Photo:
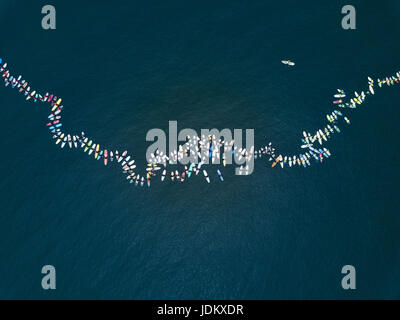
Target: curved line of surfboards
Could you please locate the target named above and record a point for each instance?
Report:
(128, 164)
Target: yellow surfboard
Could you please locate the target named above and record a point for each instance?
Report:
(56, 105)
(59, 140)
(97, 151)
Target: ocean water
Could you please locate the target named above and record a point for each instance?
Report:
(125, 67)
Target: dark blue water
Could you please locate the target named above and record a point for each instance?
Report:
(125, 67)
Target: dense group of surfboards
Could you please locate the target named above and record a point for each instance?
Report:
(332, 127)
(207, 148)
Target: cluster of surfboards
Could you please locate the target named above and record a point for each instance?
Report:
(55, 126)
(212, 145)
(208, 151)
(390, 81)
(322, 135)
(194, 169)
